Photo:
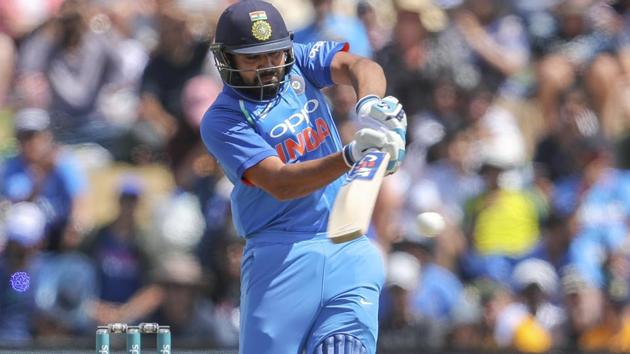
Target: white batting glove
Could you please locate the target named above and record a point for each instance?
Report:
(387, 112)
(395, 147)
(367, 139)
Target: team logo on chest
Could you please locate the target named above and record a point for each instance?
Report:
(297, 84)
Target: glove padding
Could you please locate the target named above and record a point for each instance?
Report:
(387, 112)
(386, 115)
(368, 139)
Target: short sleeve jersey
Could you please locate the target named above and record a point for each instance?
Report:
(295, 126)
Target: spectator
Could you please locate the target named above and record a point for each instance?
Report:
(24, 226)
(557, 233)
(445, 108)
(444, 184)
(485, 45)
(66, 286)
(190, 316)
(18, 19)
(212, 189)
(404, 328)
(536, 284)
(582, 303)
(44, 174)
(377, 34)
(440, 288)
(178, 58)
(501, 225)
(114, 247)
(612, 333)
(7, 62)
(506, 325)
(599, 195)
(70, 64)
(408, 59)
(575, 52)
(121, 262)
(466, 330)
(226, 290)
(556, 154)
(329, 26)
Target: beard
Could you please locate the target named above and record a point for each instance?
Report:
(264, 86)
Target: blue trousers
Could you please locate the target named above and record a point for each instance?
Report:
(296, 294)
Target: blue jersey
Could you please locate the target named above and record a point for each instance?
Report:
(296, 126)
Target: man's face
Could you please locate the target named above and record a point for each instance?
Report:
(248, 64)
(35, 146)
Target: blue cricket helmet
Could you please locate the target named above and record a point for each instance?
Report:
(251, 27)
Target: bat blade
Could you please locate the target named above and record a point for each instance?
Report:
(352, 211)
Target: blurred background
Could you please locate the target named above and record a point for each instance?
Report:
(519, 117)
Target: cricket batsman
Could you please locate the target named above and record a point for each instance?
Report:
(272, 132)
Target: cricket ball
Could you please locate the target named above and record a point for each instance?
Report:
(430, 223)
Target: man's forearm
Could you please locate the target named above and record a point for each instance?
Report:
(301, 179)
(367, 78)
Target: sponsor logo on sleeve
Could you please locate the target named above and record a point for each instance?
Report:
(316, 47)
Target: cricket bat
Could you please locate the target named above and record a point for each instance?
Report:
(352, 211)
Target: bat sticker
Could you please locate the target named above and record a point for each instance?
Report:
(366, 168)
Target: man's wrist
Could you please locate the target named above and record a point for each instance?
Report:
(364, 100)
(346, 153)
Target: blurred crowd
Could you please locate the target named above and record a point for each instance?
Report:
(519, 117)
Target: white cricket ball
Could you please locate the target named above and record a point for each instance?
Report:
(430, 223)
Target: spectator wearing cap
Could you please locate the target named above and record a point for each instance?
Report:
(466, 330)
(191, 316)
(439, 289)
(122, 263)
(44, 174)
(24, 228)
(505, 323)
(404, 328)
(535, 284)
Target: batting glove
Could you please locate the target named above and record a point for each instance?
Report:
(368, 139)
(387, 112)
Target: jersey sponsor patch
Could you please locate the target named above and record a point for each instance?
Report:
(315, 48)
(366, 168)
(308, 139)
(301, 132)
